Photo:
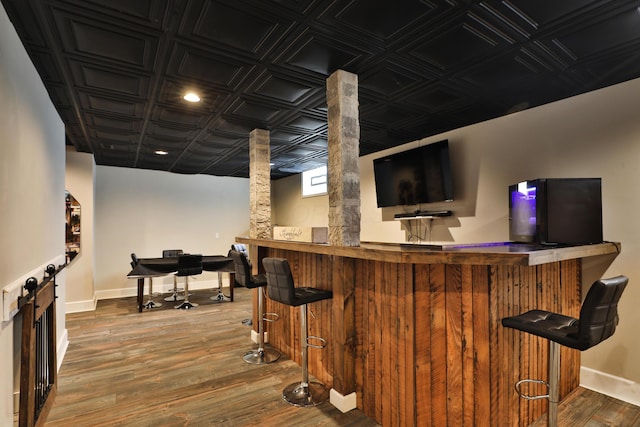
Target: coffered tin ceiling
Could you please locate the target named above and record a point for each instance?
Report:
(116, 70)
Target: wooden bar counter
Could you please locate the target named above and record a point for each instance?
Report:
(415, 332)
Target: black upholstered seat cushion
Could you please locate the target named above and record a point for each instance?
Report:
(189, 265)
(597, 322)
(243, 271)
(555, 327)
(280, 286)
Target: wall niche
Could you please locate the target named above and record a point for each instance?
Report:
(72, 232)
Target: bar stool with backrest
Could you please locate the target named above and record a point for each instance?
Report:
(188, 265)
(242, 248)
(261, 355)
(219, 296)
(175, 296)
(280, 287)
(597, 322)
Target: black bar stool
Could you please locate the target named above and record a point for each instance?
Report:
(188, 265)
(597, 322)
(175, 296)
(280, 287)
(261, 355)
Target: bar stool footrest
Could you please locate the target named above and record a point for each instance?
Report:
(270, 317)
(174, 298)
(313, 337)
(530, 381)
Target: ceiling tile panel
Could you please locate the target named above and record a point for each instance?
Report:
(307, 123)
(149, 11)
(604, 36)
(378, 20)
(113, 136)
(434, 98)
(284, 136)
(388, 79)
(205, 68)
(282, 89)
(226, 24)
(189, 118)
(108, 80)
(219, 141)
(463, 41)
(322, 56)
(251, 111)
(317, 144)
(545, 12)
(173, 132)
(116, 70)
(112, 123)
(202, 150)
(103, 42)
(97, 103)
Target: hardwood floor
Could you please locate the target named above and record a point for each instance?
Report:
(586, 408)
(167, 367)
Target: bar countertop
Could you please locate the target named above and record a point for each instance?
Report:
(505, 253)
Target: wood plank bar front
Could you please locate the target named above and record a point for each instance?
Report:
(416, 333)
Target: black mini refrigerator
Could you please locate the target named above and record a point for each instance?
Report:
(553, 211)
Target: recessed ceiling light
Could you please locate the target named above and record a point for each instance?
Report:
(191, 97)
(161, 152)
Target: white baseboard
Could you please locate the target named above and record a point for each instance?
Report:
(63, 344)
(343, 403)
(16, 402)
(255, 336)
(616, 387)
(80, 306)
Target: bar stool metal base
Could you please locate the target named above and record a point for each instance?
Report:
(175, 296)
(220, 297)
(261, 356)
(310, 394)
(152, 304)
(186, 305)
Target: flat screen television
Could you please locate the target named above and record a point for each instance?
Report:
(420, 175)
(556, 211)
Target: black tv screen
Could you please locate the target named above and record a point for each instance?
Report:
(413, 177)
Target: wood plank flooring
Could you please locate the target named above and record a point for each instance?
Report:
(587, 408)
(166, 367)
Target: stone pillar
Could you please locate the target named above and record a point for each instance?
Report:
(344, 165)
(259, 184)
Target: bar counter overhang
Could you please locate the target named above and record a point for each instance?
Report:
(415, 332)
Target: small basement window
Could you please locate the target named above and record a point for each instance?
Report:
(314, 182)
